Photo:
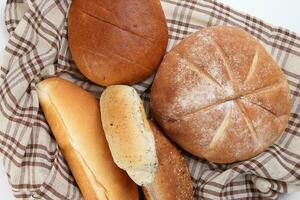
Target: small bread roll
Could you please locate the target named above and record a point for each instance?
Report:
(139, 147)
(128, 133)
(73, 116)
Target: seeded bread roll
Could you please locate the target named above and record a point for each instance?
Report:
(117, 42)
(74, 117)
(140, 148)
(128, 133)
(221, 96)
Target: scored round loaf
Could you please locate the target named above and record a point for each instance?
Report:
(221, 96)
(117, 42)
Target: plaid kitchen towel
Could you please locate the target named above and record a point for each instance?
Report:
(38, 49)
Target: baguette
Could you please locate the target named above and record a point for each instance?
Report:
(73, 116)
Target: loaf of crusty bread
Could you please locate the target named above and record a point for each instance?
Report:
(117, 42)
(221, 96)
(74, 117)
(139, 147)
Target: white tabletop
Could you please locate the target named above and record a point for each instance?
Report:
(276, 12)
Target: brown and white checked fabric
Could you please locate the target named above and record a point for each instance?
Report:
(38, 49)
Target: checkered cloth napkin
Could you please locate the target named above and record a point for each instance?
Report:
(38, 49)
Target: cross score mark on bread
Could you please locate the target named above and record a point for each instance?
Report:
(220, 95)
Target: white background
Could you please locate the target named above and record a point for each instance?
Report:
(277, 12)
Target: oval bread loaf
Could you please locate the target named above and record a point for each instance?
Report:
(74, 117)
(117, 42)
(221, 96)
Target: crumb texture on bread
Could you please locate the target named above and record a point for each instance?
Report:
(220, 95)
(128, 133)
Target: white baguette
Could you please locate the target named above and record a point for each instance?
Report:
(74, 117)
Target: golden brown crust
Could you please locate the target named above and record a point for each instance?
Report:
(212, 89)
(172, 180)
(117, 42)
(74, 118)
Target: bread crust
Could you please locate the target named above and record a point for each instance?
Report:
(172, 180)
(117, 42)
(73, 116)
(221, 96)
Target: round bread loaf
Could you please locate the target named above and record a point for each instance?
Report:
(221, 96)
(117, 42)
